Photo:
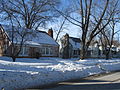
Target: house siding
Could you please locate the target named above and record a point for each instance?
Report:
(34, 52)
(48, 50)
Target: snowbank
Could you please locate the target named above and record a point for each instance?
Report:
(26, 73)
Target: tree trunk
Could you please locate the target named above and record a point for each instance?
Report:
(82, 55)
(83, 52)
(14, 59)
(108, 54)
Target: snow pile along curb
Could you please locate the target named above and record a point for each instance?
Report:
(33, 72)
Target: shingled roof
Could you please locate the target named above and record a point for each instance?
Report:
(40, 37)
(75, 39)
(75, 42)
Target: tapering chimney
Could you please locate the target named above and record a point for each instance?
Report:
(50, 32)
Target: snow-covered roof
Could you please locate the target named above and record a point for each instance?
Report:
(75, 42)
(43, 38)
(35, 37)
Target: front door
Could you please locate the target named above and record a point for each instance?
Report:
(32, 51)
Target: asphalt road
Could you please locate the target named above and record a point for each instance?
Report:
(102, 82)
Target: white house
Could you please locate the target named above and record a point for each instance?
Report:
(72, 47)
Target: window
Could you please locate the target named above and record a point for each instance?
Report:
(25, 50)
(47, 51)
(21, 51)
(75, 52)
(42, 50)
(78, 52)
(51, 51)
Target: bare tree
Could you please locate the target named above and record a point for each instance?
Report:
(30, 13)
(89, 16)
(17, 36)
(60, 29)
(109, 32)
(108, 35)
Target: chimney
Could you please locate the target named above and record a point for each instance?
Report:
(50, 32)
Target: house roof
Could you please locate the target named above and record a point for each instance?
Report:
(43, 38)
(75, 42)
(34, 38)
(75, 39)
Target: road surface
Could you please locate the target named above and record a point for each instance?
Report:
(103, 82)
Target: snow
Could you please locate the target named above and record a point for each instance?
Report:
(32, 43)
(36, 38)
(26, 72)
(43, 38)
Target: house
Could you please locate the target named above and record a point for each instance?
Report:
(70, 47)
(99, 51)
(37, 42)
(75, 46)
(96, 50)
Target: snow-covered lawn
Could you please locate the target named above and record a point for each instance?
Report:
(26, 72)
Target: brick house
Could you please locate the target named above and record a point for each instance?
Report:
(40, 42)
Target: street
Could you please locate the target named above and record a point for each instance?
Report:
(109, 81)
